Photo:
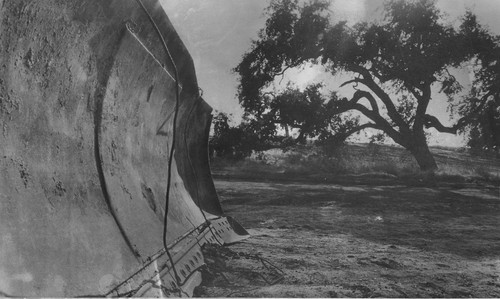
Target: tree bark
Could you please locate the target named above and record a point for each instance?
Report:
(301, 139)
(423, 156)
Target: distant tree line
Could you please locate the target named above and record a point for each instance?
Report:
(236, 141)
(240, 140)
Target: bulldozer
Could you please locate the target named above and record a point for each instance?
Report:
(105, 185)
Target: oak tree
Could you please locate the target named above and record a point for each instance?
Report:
(394, 64)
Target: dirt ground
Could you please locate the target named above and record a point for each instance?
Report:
(383, 239)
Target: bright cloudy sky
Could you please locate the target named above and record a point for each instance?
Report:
(218, 32)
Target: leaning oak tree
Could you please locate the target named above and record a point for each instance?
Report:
(394, 64)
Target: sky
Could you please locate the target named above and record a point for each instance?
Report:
(218, 32)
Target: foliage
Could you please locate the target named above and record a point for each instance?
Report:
(307, 111)
(226, 140)
(393, 64)
(236, 142)
(481, 107)
(484, 129)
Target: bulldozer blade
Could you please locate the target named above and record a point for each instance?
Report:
(89, 92)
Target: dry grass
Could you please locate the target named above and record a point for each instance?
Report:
(359, 159)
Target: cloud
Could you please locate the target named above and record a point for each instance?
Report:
(353, 10)
(304, 76)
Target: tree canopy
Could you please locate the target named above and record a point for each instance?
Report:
(236, 142)
(394, 66)
(306, 110)
(481, 108)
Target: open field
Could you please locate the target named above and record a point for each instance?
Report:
(356, 235)
(354, 160)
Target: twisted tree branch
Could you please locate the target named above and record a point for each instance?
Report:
(382, 95)
(374, 115)
(432, 122)
(357, 80)
(344, 135)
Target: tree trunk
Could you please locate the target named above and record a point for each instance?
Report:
(302, 138)
(423, 155)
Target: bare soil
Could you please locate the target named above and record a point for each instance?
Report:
(382, 238)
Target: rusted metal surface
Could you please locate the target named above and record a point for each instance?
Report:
(87, 102)
(156, 278)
